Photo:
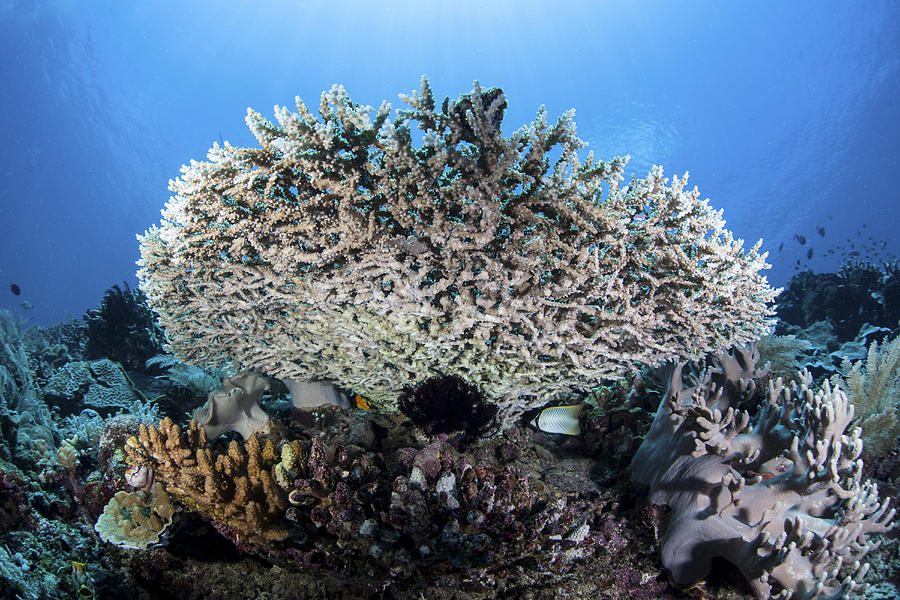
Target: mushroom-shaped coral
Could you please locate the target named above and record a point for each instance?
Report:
(236, 407)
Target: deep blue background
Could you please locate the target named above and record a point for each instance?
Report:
(782, 112)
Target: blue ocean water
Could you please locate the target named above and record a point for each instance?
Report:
(784, 113)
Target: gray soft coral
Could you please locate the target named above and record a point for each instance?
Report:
(781, 498)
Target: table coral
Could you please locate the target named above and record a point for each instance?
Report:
(343, 250)
(782, 499)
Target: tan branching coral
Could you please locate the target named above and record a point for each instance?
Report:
(235, 489)
(342, 250)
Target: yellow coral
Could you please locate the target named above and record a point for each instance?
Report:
(288, 466)
(67, 454)
(235, 488)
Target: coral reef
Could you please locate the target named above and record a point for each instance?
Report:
(783, 500)
(339, 250)
(873, 387)
(857, 294)
(441, 514)
(345, 509)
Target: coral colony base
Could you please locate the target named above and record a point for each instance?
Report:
(391, 319)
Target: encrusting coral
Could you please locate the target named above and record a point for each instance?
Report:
(136, 519)
(341, 250)
(345, 509)
(783, 499)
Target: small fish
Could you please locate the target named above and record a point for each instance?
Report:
(781, 246)
(821, 231)
(16, 290)
(800, 238)
(560, 419)
(84, 587)
(25, 304)
(361, 403)
(809, 254)
(639, 218)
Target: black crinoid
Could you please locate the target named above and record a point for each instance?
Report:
(123, 328)
(447, 404)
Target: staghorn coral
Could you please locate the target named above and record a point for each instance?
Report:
(340, 250)
(235, 489)
(873, 386)
(783, 499)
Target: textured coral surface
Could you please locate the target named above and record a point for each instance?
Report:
(375, 252)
